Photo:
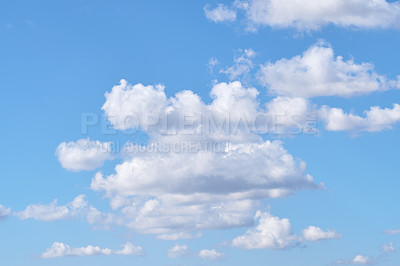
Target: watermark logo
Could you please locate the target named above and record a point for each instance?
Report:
(202, 124)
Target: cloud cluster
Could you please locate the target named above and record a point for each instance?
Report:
(53, 211)
(170, 192)
(312, 14)
(275, 233)
(369, 260)
(84, 154)
(59, 249)
(177, 236)
(234, 115)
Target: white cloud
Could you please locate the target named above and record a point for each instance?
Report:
(314, 14)
(220, 14)
(186, 187)
(53, 211)
(376, 119)
(388, 248)
(357, 260)
(212, 62)
(275, 233)
(290, 116)
(234, 170)
(170, 192)
(317, 72)
(392, 231)
(59, 249)
(100, 219)
(79, 207)
(130, 249)
(147, 108)
(178, 251)
(126, 102)
(233, 115)
(83, 154)
(9, 26)
(62, 250)
(4, 212)
(271, 233)
(211, 254)
(313, 233)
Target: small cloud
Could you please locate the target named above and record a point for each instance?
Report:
(178, 251)
(357, 260)
(388, 248)
(211, 254)
(9, 26)
(59, 249)
(392, 231)
(79, 207)
(220, 14)
(130, 249)
(313, 233)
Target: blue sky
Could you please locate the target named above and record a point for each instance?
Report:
(252, 203)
